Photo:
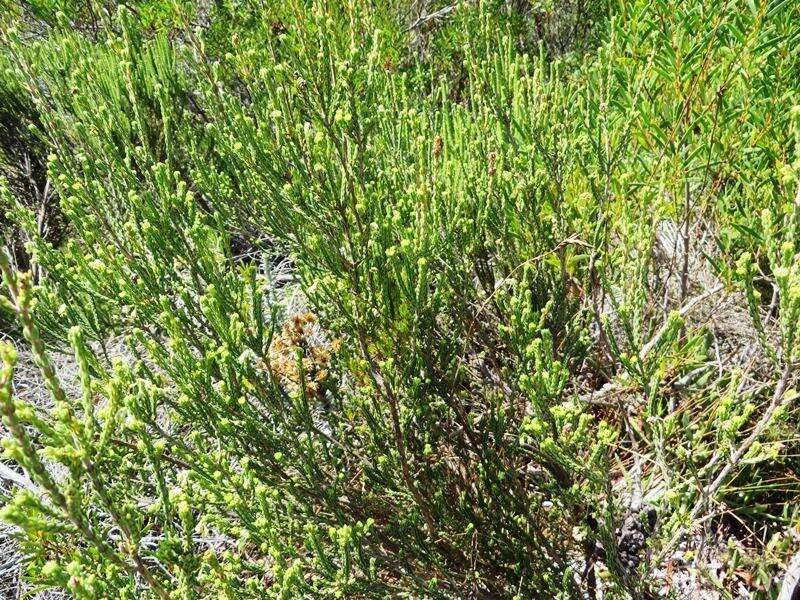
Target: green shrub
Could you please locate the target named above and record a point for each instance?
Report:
(403, 410)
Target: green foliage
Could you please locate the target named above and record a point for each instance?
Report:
(471, 229)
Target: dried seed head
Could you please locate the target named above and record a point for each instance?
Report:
(438, 144)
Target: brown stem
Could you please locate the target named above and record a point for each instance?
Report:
(397, 430)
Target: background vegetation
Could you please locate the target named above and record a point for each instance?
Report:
(400, 299)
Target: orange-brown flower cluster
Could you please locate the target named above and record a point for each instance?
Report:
(294, 346)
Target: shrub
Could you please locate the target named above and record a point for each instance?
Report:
(365, 304)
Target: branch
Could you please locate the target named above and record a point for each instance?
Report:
(685, 310)
(8, 474)
(438, 14)
(777, 401)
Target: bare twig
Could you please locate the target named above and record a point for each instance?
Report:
(687, 207)
(777, 401)
(602, 396)
(8, 474)
(435, 15)
(686, 309)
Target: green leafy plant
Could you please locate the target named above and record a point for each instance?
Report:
(387, 301)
